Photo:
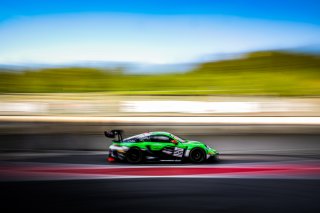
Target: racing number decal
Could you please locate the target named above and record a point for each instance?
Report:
(178, 152)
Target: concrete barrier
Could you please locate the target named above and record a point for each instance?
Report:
(229, 134)
(269, 144)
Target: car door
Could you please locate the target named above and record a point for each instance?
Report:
(162, 147)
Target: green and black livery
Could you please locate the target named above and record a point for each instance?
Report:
(158, 146)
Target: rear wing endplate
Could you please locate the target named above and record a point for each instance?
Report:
(114, 133)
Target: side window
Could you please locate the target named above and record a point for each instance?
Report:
(144, 139)
(137, 138)
(131, 140)
(160, 138)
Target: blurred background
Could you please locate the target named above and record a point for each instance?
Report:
(159, 59)
(242, 76)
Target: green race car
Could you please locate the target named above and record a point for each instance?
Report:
(158, 146)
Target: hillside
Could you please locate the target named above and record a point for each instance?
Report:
(265, 61)
(258, 73)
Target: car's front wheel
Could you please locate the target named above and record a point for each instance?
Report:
(134, 155)
(197, 155)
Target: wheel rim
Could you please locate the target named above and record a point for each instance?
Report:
(197, 155)
(134, 156)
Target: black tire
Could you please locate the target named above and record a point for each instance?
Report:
(197, 155)
(134, 155)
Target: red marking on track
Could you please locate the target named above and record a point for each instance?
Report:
(78, 171)
(153, 171)
(170, 171)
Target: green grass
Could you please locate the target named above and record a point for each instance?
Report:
(260, 73)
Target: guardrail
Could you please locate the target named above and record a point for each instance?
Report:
(170, 120)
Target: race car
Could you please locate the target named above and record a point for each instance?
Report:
(158, 146)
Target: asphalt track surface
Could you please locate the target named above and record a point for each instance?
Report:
(53, 181)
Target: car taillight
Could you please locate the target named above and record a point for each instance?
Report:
(110, 159)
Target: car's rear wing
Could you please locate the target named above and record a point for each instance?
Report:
(114, 133)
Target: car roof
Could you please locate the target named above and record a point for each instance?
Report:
(160, 133)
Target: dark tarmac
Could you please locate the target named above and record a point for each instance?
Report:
(170, 194)
(162, 195)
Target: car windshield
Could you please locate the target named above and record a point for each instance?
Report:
(179, 139)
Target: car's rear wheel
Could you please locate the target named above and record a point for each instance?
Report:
(197, 155)
(134, 155)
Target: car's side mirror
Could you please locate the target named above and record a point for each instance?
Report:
(174, 141)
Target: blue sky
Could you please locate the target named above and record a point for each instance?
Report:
(57, 31)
